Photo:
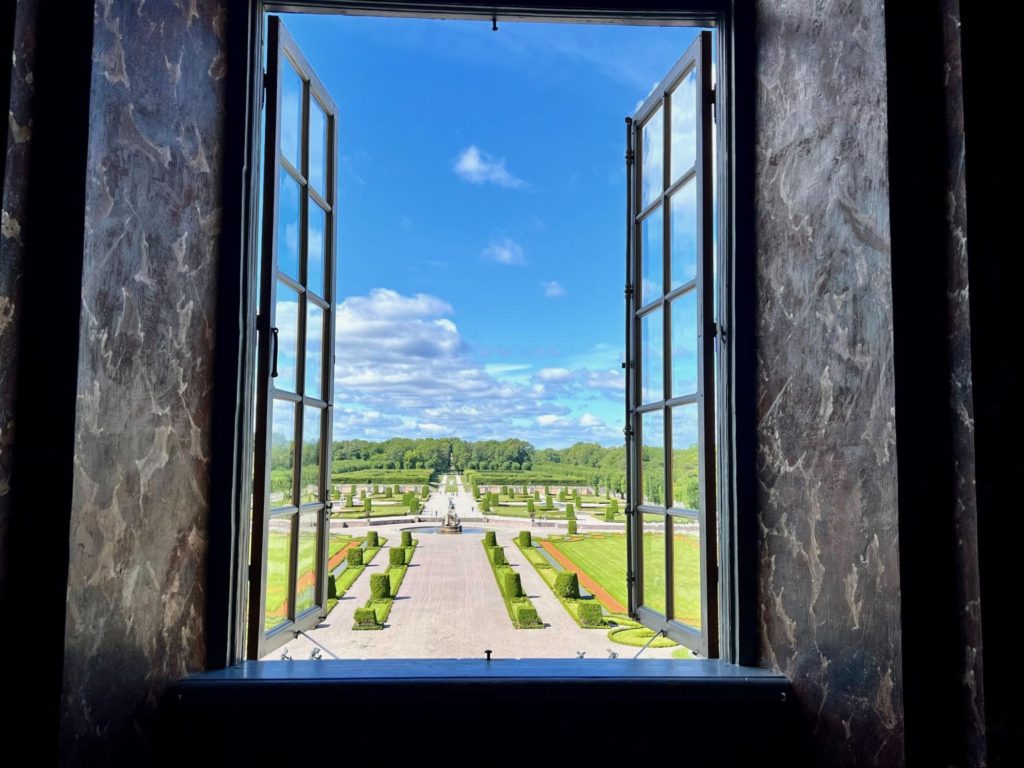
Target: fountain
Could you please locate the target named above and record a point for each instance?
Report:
(451, 522)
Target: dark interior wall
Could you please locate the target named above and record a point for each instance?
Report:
(829, 560)
(135, 598)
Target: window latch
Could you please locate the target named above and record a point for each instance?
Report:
(273, 367)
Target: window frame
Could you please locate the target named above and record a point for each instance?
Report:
(233, 406)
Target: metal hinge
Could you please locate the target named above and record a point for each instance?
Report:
(627, 431)
(629, 290)
(714, 105)
(629, 156)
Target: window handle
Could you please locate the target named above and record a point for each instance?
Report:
(273, 367)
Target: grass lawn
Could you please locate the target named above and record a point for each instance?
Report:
(355, 513)
(603, 558)
(520, 511)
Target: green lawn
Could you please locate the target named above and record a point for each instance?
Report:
(355, 513)
(603, 558)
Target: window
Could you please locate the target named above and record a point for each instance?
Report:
(672, 344)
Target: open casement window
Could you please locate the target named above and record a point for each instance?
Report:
(670, 396)
(295, 357)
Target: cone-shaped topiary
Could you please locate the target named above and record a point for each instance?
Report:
(570, 513)
(406, 538)
(530, 508)
(513, 585)
(572, 528)
(371, 539)
(490, 539)
(332, 587)
(498, 556)
(567, 584)
(525, 540)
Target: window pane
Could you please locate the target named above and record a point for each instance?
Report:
(652, 150)
(684, 125)
(683, 234)
(315, 249)
(305, 575)
(652, 357)
(310, 454)
(652, 257)
(654, 562)
(282, 454)
(317, 146)
(686, 571)
(286, 317)
(652, 458)
(288, 225)
(279, 560)
(291, 115)
(314, 350)
(685, 461)
(684, 345)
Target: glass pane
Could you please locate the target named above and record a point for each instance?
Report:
(686, 571)
(291, 115)
(279, 561)
(317, 147)
(685, 462)
(652, 458)
(683, 234)
(314, 350)
(286, 318)
(310, 454)
(684, 125)
(315, 249)
(305, 574)
(653, 591)
(652, 257)
(684, 345)
(652, 356)
(652, 150)
(282, 454)
(288, 225)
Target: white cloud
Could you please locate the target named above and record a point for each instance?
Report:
(554, 374)
(504, 251)
(553, 289)
(589, 420)
(479, 167)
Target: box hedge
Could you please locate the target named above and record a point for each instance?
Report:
(371, 539)
(513, 585)
(355, 556)
(570, 512)
(525, 540)
(526, 616)
(332, 587)
(490, 539)
(572, 527)
(380, 586)
(567, 584)
(396, 556)
(366, 617)
(406, 538)
(530, 509)
(498, 556)
(590, 614)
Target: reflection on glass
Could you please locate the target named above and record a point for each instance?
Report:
(317, 146)
(305, 574)
(314, 350)
(652, 150)
(279, 560)
(288, 225)
(684, 345)
(652, 357)
(282, 454)
(286, 317)
(652, 257)
(683, 234)
(686, 571)
(685, 460)
(652, 458)
(653, 543)
(291, 115)
(310, 476)
(315, 248)
(684, 125)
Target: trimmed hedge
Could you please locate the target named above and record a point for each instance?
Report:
(548, 503)
(572, 527)
(530, 509)
(490, 539)
(371, 539)
(406, 538)
(396, 556)
(513, 585)
(525, 540)
(526, 616)
(380, 585)
(590, 614)
(498, 556)
(485, 505)
(355, 556)
(332, 587)
(567, 584)
(366, 617)
(611, 510)
(570, 512)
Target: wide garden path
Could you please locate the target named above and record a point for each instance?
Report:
(449, 606)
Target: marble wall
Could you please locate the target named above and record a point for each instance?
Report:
(829, 582)
(135, 599)
(13, 215)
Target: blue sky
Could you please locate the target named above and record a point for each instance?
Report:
(481, 224)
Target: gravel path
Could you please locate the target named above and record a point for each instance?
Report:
(449, 605)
